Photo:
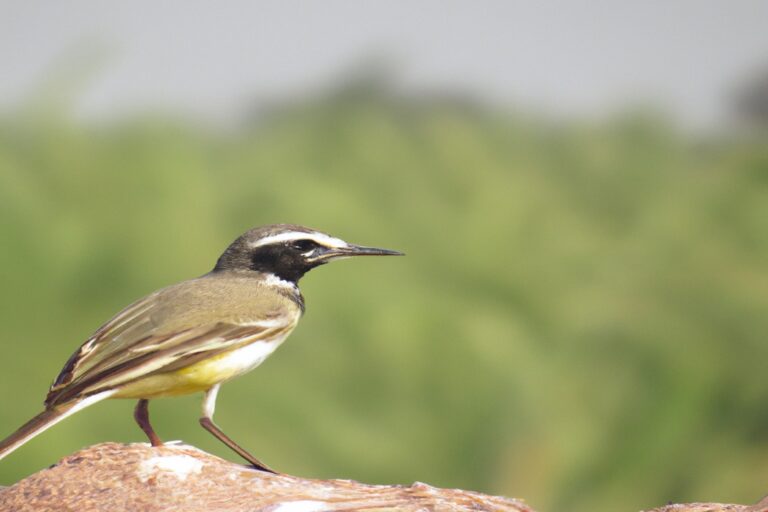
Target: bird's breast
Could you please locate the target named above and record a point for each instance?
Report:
(231, 364)
(203, 375)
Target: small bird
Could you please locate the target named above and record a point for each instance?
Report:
(195, 335)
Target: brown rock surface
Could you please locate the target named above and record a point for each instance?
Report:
(138, 478)
(115, 477)
(714, 507)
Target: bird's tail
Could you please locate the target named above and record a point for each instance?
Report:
(45, 420)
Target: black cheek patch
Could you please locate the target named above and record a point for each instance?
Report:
(279, 260)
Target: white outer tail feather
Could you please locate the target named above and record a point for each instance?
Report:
(46, 420)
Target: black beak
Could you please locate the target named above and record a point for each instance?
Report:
(355, 250)
(359, 250)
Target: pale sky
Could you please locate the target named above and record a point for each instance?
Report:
(566, 57)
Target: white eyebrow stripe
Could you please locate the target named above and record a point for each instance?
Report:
(320, 238)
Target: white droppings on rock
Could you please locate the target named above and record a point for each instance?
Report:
(181, 466)
(301, 506)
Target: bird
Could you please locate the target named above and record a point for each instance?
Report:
(195, 335)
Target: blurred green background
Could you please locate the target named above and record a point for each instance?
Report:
(581, 319)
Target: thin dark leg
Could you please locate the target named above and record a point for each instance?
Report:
(211, 427)
(209, 404)
(141, 415)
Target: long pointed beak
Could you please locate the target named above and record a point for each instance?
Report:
(354, 250)
(360, 250)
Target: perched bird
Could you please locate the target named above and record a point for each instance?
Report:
(193, 336)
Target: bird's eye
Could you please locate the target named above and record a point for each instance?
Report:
(304, 245)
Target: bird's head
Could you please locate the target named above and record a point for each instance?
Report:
(289, 251)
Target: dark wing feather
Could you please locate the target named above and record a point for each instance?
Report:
(163, 353)
(173, 328)
(135, 318)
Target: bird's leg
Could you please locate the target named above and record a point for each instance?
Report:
(206, 420)
(141, 415)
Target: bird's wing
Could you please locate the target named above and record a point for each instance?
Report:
(162, 353)
(137, 343)
(133, 324)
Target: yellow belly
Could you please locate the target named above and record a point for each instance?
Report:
(200, 376)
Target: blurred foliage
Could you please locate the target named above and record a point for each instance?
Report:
(580, 320)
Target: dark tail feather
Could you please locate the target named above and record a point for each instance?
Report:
(45, 420)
